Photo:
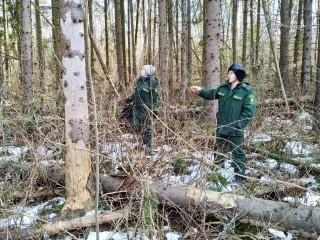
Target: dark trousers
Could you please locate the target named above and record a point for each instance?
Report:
(235, 143)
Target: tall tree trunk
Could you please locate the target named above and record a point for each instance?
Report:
(133, 40)
(41, 59)
(163, 51)
(189, 37)
(1, 96)
(26, 61)
(56, 35)
(297, 43)
(234, 29)
(285, 13)
(91, 29)
(170, 48)
(123, 36)
(177, 66)
(306, 54)
(184, 52)
(129, 34)
(212, 55)
(5, 39)
(120, 67)
(316, 125)
(251, 36)
(245, 32)
(78, 161)
(149, 33)
(258, 33)
(136, 33)
(106, 30)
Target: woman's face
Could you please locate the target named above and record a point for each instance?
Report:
(232, 77)
(143, 72)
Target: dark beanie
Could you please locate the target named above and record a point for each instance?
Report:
(238, 71)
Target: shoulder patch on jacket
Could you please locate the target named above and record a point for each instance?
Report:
(247, 87)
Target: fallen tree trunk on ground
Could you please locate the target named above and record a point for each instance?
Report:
(283, 216)
(60, 226)
(249, 209)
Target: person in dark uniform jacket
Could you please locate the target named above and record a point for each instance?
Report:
(146, 101)
(236, 108)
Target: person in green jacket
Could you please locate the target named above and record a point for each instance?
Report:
(236, 108)
(146, 101)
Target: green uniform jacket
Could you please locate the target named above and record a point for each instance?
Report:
(236, 107)
(144, 97)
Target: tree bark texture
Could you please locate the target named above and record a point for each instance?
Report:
(245, 32)
(306, 54)
(234, 29)
(106, 29)
(163, 51)
(297, 42)
(316, 125)
(120, 66)
(285, 13)
(56, 35)
(41, 59)
(184, 52)
(212, 54)
(26, 61)
(78, 161)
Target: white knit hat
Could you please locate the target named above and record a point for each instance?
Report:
(149, 69)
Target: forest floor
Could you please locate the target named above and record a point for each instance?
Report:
(183, 157)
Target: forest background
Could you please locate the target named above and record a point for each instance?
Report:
(189, 42)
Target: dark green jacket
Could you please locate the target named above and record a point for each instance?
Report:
(236, 107)
(145, 97)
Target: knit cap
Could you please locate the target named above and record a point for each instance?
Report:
(149, 69)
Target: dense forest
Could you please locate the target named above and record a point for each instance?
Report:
(69, 168)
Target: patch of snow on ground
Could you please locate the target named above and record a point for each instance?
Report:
(173, 236)
(295, 148)
(26, 216)
(310, 199)
(265, 180)
(261, 137)
(279, 234)
(288, 168)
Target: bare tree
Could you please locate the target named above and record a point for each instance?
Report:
(106, 29)
(184, 51)
(118, 24)
(316, 125)
(234, 29)
(285, 13)
(170, 47)
(245, 32)
(258, 32)
(41, 59)
(163, 51)
(56, 35)
(26, 61)
(306, 54)
(78, 160)
(5, 38)
(297, 42)
(212, 55)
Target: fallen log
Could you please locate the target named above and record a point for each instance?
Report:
(279, 215)
(60, 226)
(249, 209)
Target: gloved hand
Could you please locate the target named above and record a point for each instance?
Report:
(128, 100)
